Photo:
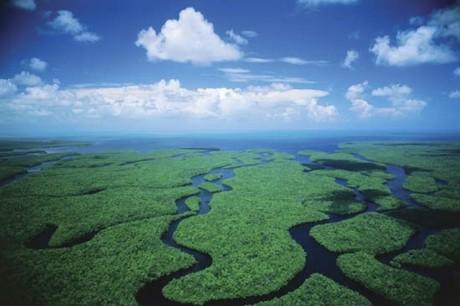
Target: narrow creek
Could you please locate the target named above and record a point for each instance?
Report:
(151, 292)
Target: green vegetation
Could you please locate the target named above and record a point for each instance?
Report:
(426, 162)
(446, 242)
(371, 232)
(80, 215)
(66, 179)
(426, 217)
(340, 202)
(437, 202)
(423, 257)
(124, 202)
(387, 202)
(246, 233)
(212, 176)
(372, 184)
(18, 164)
(420, 182)
(126, 199)
(106, 270)
(7, 172)
(400, 286)
(210, 187)
(193, 203)
(341, 160)
(318, 290)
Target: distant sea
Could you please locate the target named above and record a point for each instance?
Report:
(290, 142)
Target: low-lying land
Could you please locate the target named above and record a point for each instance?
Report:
(90, 227)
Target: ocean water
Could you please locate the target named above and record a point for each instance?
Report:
(290, 142)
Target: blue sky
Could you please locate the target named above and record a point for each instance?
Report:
(72, 67)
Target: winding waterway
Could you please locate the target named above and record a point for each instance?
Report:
(151, 293)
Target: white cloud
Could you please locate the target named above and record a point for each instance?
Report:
(66, 23)
(351, 56)
(234, 70)
(258, 60)
(249, 33)
(28, 5)
(324, 2)
(37, 64)
(399, 96)
(300, 61)
(457, 71)
(429, 43)
(394, 92)
(293, 60)
(455, 94)
(245, 75)
(25, 78)
(447, 22)
(191, 38)
(86, 37)
(238, 39)
(7, 88)
(287, 60)
(168, 99)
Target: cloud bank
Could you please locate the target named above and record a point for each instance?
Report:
(165, 100)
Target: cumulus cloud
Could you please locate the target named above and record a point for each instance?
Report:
(454, 94)
(245, 75)
(238, 39)
(28, 5)
(428, 43)
(86, 37)
(168, 99)
(351, 57)
(457, 71)
(37, 64)
(7, 88)
(190, 38)
(25, 78)
(66, 23)
(310, 3)
(399, 96)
